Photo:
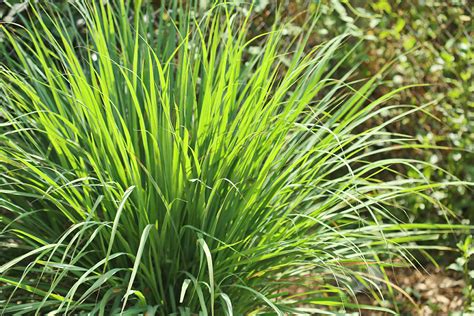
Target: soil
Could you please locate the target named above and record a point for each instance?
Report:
(435, 292)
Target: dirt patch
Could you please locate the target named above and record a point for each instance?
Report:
(435, 291)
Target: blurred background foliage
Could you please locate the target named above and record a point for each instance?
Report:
(424, 41)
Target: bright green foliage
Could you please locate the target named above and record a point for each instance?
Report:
(165, 168)
(463, 265)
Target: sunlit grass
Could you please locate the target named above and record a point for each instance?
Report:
(164, 168)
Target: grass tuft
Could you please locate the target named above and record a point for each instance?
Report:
(155, 164)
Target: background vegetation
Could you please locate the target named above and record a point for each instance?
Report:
(427, 42)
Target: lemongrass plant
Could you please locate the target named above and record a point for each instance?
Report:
(154, 164)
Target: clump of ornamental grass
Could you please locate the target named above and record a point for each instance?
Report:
(154, 164)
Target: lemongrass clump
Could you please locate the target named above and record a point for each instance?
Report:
(152, 164)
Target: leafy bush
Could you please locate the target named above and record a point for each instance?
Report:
(156, 164)
(429, 42)
(433, 46)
